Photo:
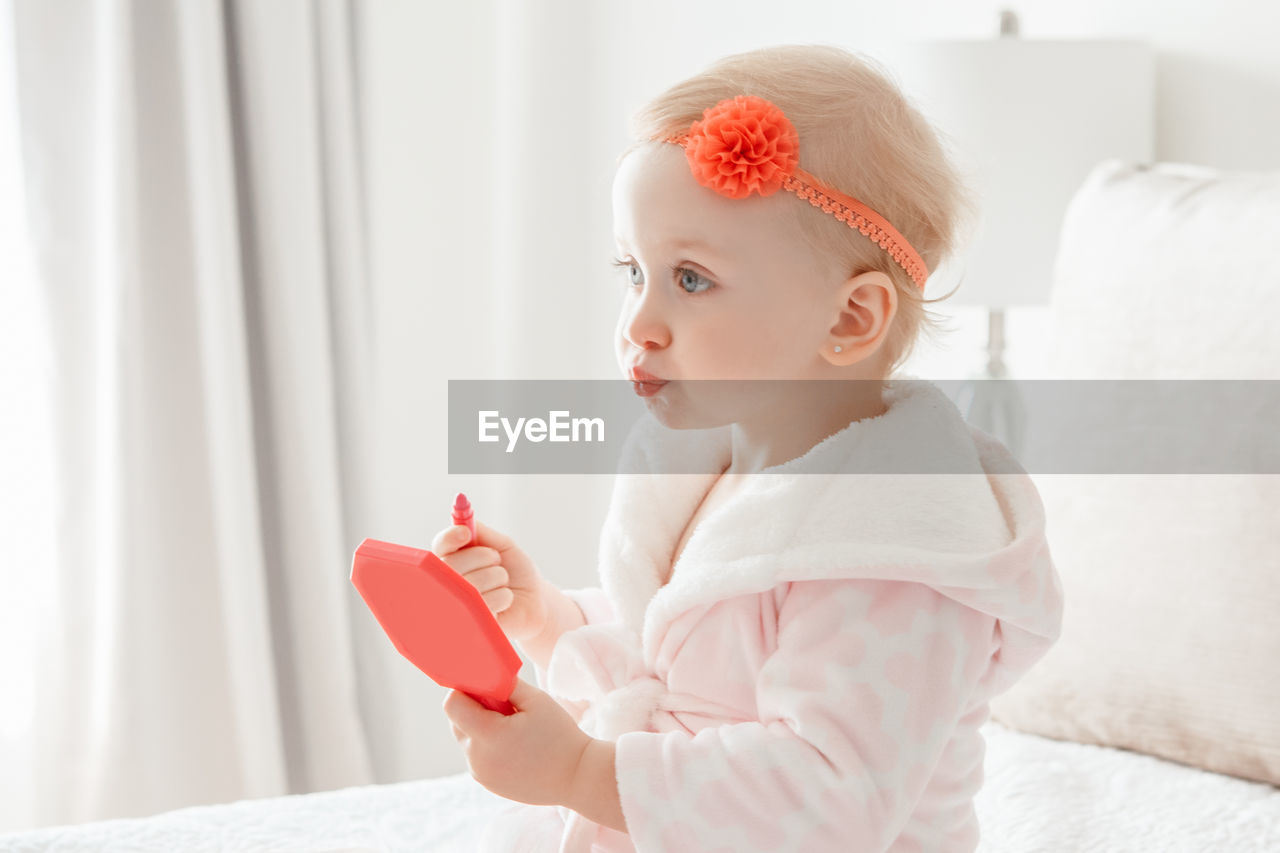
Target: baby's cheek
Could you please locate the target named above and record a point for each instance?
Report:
(620, 350)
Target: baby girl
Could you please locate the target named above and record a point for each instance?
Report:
(793, 647)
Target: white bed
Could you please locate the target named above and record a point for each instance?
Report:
(1039, 795)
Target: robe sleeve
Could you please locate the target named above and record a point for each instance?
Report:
(597, 610)
(595, 605)
(856, 705)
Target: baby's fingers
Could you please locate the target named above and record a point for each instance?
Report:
(487, 578)
(499, 599)
(493, 585)
(495, 539)
(450, 539)
(470, 560)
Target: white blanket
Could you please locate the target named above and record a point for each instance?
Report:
(1040, 796)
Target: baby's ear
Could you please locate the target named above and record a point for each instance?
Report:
(868, 302)
(871, 285)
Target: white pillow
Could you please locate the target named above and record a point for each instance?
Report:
(1171, 625)
(1168, 272)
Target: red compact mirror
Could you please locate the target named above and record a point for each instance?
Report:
(437, 620)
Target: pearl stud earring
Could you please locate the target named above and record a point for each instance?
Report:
(837, 349)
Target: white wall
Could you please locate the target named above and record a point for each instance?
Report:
(1218, 91)
(461, 98)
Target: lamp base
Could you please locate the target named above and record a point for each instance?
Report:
(989, 400)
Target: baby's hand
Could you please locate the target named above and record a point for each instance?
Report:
(507, 579)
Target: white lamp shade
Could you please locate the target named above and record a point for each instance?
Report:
(1026, 120)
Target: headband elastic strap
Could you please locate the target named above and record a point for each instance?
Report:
(776, 165)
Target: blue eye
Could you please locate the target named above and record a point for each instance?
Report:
(629, 267)
(686, 275)
(686, 271)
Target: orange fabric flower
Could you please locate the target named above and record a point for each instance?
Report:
(743, 144)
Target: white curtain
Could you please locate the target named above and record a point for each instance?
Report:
(196, 214)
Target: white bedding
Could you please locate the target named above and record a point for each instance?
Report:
(1039, 795)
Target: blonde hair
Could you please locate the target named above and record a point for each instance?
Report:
(858, 133)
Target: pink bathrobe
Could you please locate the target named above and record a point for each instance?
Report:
(814, 675)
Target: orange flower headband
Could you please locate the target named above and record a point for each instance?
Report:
(746, 144)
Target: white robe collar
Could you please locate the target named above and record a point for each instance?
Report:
(977, 537)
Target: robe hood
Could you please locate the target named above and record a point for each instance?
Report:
(975, 533)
